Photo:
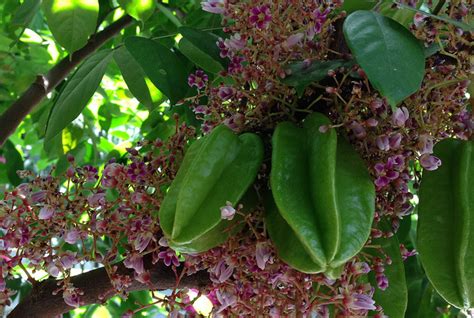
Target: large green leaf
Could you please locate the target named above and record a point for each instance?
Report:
(394, 299)
(200, 47)
(71, 21)
(77, 92)
(164, 68)
(445, 234)
(26, 12)
(139, 9)
(390, 55)
(133, 75)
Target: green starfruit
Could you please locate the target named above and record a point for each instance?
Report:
(216, 169)
(324, 197)
(445, 236)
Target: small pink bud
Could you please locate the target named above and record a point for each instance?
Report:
(227, 211)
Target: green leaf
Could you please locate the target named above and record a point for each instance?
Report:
(77, 92)
(401, 15)
(133, 76)
(14, 162)
(169, 14)
(26, 12)
(71, 21)
(394, 299)
(390, 55)
(353, 5)
(446, 223)
(139, 9)
(302, 74)
(164, 68)
(200, 47)
(459, 24)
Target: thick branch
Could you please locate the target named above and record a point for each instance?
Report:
(44, 84)
(41, 303)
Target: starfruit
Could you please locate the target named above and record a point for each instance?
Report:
(216, 169)
(324, 197)
(445, 235)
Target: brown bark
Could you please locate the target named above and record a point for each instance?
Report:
(44, 84)
(41, 303)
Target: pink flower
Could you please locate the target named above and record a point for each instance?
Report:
(71, 236)
(425, 142)
(382, 281)
(262, 254)
(213, 6)
(46, 212)
(226, 92)
(39, 196)
(430, 162)
(198, 79)
(400, 116)
(293, 40)
(71, 296)
(260, 16)
(142, 241)
(226, 299)
(68, 260)
(52, 270)
(169, 257)
(235, 43)
(227, 211)
(358, 301)
(134, 261)
(220, 272)
(3, 160)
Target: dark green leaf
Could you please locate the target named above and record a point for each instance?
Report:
(77, 92)
(200, 47)
(26, 12)
(133, 75)
(169, 14)
(71, 21)
(14, 162)
(390, 55)
(353, 5)
(393, 299)
(164, 68)
(139, 9)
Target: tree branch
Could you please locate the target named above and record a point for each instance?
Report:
(41, 303)
(44, 84)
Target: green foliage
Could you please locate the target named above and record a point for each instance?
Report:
(200, 47)
(395, 272)
(389, 54)
(134, 76)
(169, 72)
(139, 9)
(77, 92)
(333, 223)
(445, 226)
(71, 21)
